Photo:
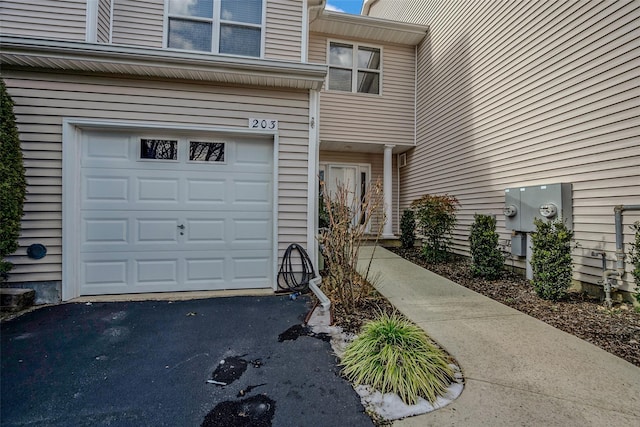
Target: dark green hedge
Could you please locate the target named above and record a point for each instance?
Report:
(12, 181)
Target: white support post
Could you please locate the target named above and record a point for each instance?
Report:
(387, 189)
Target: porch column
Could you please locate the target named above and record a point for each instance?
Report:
(387, 184)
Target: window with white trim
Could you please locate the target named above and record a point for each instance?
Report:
(232, 27)
(354, 68)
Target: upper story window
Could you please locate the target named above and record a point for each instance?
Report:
(231, 27)
(354, 68)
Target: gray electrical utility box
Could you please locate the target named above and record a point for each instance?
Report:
(524, 204)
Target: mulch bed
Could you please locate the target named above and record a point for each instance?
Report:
(616, 330)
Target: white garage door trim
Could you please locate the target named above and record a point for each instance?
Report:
(71, 198)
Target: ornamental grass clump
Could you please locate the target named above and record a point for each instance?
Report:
(393, 355)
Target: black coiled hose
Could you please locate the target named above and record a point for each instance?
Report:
(295, 281)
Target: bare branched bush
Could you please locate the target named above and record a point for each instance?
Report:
(348, 220)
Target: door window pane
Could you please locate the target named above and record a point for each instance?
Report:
(340, 79)
(239, 40)
(189, 35)
(368, 82)
(158, 149)
(341, 55)
(369, 58)
(199, 8)
(206, 151)
(241, 11)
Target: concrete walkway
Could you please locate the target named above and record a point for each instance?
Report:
(518, 370)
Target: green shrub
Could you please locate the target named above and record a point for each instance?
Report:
(436, 218)
(393, 355)
(12, 181)
(408, 229)
(487, 259)
(551, 259)
(635, 258)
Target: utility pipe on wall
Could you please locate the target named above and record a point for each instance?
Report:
(619, 237)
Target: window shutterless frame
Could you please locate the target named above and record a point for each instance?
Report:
(361, 74)
(220, 33)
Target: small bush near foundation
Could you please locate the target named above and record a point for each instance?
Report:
(340, 241)
(436, 218)
(393, 355)
(408, 229)
(487, 258)
(634, 256)
(12, 181)
(551, 259)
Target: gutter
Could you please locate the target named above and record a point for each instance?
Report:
(70, 55)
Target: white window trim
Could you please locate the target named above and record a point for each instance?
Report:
(354, 67)
(215, 21)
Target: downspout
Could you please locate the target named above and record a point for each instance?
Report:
(312, 214)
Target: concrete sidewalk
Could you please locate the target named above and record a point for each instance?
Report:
(518, 370)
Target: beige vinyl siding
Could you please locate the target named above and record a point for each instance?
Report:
(376, 161)
(138, 22)
(42, 100)
(362, 118)
(50, 19)
(104, 21)
(283, 37)
(513, 94)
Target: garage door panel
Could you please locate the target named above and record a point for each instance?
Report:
(154, 226)
(253, 192)
(203, 270)
(251, 267)
(156, 271)
(157, 190)
(202, 231)
(156, 231)
(206, 191)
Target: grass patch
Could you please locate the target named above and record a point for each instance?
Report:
(393, 355)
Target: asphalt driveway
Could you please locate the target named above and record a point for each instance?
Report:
(149, 363)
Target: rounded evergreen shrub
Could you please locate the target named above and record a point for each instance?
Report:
(12, 181)
(551, 259)
(393, 355)
(487, 259)
(408, 229)
(436, 218)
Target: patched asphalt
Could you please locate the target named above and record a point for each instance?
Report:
(148, 364)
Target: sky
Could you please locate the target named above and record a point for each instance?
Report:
(347, 6)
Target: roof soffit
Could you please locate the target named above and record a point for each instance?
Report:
(164, 63)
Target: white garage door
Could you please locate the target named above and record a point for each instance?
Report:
(163, 213)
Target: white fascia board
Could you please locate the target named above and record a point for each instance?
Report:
(366, 27)
(46, 53)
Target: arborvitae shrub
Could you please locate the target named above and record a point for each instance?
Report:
(551, 260)
(436, 218)
(408, 229)
(12, 181)
(487, 259)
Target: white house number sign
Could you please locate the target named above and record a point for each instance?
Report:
(263, 124)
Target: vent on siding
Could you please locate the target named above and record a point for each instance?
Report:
(402, 160)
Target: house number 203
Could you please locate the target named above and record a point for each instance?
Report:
(263, 124)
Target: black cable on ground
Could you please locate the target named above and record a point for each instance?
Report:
(290, 280)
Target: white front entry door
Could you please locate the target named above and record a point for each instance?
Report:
(352, 177)
(165, 213)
